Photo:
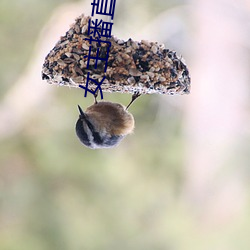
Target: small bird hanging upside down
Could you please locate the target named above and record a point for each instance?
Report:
(104, 124)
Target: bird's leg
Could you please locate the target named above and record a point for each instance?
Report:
(134, 97)
(96, 95)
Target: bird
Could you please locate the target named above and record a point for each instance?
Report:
(104, 124)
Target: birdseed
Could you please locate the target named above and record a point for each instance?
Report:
(144, 67)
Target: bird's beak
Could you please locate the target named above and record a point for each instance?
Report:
(82, 115)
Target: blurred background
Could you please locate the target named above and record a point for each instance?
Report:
(180, 182)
